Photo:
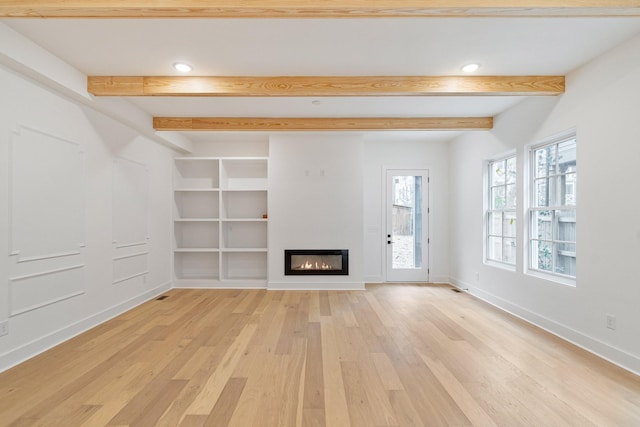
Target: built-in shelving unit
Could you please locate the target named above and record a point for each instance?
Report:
(220, 221)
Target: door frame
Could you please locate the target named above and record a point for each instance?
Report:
(385, 218)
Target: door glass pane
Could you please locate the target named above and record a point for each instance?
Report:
(407, 222)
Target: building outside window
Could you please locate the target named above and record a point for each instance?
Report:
(501, 211)
(552, 212)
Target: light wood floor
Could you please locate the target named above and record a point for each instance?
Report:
(395, 355)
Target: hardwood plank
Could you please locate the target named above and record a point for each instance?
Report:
(320, 123)
(284, 86)
(226, 404)
(325, 306)
(159, 404)
(313, 378)
(206, 399)
(336, 407)
(356, 396)
(306, 9)
(401, 354)
(458, 392)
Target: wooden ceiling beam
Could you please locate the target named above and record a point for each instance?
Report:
(313, 9)
(326, 86)
(281, 124)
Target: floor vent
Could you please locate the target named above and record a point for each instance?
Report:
(456, 290)
(162, 297)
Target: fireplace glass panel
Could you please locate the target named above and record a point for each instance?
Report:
(316, 262)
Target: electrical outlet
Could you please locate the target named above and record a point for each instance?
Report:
(4, 328)
(611, 321)
(477, 276)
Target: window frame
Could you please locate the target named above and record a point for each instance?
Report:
(489, 211)
(532, 208)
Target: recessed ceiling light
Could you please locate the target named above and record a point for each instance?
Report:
(182, 67)
(470, 68)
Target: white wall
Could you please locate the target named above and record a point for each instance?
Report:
(315, 202)
(406, 154)
(72, 182)
(602, 102)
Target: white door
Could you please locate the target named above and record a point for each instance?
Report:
(407, 234)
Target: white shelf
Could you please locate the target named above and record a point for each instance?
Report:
(196, 205)
(243, 220)
(196, 235)
(194, 172)
(239, 250)
(197, 265)
(220, 234)
(196, 250)
(195, 189)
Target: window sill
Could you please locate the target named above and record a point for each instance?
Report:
(563, 280)
(500, 265)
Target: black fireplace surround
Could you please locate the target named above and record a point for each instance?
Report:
(316, 262)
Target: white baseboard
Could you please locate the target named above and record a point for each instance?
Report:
(438, 279)
(40, 345)
(612, 354)
(217, 284)
(306, 286)
(374, 279)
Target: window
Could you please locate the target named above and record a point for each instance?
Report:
(552, 212)
(501, 211)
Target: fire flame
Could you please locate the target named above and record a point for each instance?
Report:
(315, 266)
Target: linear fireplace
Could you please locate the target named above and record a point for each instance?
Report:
(316, 262)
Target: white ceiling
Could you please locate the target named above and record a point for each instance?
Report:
(281, 47)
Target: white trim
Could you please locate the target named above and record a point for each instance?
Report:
(500, 265)
(45, 273)
(551, 277)
(218, 284)
(43, 257)
(601, 349)
(486, 208)
(529, 205)
(133, 276)
(426, 172)
(40, 345)
(321, 286)
(118, 258)
(12, 280)
(128, 245)
(16, 133)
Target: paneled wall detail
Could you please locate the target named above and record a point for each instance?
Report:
(46, 196)
(130, 220)
(126, 267)
(36, 290)
(130, 198)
